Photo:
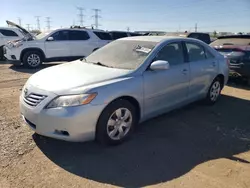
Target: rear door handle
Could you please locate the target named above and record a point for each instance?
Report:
(184, 71)
(213, 64)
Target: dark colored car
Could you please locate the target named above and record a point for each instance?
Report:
(205, 37)
(237, 49)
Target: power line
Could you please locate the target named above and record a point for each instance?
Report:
(20, 21)
(48, 21)
(38, 22)
(96, 16)
(80, 15)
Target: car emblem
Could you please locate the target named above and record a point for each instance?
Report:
(25, 92)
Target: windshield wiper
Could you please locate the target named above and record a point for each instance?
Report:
(101, 64)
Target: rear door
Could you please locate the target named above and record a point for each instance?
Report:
(203, 68)
(103, 38)
(59, 46)
(81, 44)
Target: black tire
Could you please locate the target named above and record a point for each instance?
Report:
(26, 62)
(209, 99)
(102, 125)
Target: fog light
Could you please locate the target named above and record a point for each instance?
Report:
(63, 133)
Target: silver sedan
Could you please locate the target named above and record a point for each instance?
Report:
(105, 95)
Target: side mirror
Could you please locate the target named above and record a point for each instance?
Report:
(159, 65)
(50, 39)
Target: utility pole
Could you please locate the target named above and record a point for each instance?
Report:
(196, 27)
(96, 16)
(20, 21)
(48, 23)
(80, 15)
(28, 26)
(38, 22)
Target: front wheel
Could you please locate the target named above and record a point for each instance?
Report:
(214, 91)
(32, 59)
(116, 122)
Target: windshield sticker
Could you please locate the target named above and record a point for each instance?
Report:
(143, 49)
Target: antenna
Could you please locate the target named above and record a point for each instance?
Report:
(48, 23)
(96, 16)
(38, 22)
(20, 21)
(80, 15)
(28, 26)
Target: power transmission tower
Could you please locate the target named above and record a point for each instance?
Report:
(96, 16)
(196, 27)
(20, 21)
(128, 29)
(48, 23)
(28, 26)
(80, 15)
(38, 22)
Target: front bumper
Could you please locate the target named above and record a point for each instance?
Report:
(12, 54)
(70, 124)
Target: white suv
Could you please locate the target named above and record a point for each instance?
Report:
(9, 34)
(57, 45)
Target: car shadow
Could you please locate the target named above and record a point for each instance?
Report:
(238, 83)
(23, 69)
(163, 148)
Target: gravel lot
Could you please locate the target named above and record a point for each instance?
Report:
(196, 146)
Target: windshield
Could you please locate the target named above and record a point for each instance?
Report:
(122, 54)
(41, 35)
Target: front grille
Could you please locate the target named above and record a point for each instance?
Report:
(34, 99)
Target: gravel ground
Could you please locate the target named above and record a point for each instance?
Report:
(196, 146)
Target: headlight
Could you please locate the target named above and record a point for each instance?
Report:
(72, 100)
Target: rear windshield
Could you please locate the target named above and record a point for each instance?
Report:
(231, 41)
(103, 35)
(231, 52)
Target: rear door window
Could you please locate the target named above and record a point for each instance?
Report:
(103, 35)
(78, 35)
(118, 35)
(8, 33)
(195, 52)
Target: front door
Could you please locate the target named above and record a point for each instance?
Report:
(58, 47)
(203, 68)
(165, 89)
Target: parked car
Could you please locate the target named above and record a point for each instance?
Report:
(237, 49)
(57, 45)
(9, 34)
(126, 82)
(121, 34)
(205, 37)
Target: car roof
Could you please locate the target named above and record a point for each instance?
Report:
(9, 28)
(155, 38)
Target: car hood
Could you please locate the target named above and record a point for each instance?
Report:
(72, 75)
(27, 34)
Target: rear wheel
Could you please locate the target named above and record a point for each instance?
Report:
(116, 123)
(214, 91)
(32, 59)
